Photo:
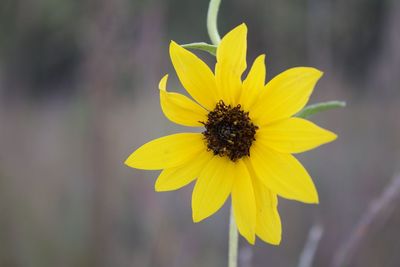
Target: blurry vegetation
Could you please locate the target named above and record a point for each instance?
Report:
(42, 42)
(78, 91)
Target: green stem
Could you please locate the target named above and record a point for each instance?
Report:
(212, 28)
(233, 241)
(212, 16)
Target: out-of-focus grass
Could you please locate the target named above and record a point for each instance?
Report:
(80, 84)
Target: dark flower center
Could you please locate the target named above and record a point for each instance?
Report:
(229, 131)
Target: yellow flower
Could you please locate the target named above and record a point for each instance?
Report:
(250, 135)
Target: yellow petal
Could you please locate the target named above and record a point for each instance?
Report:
(212, 187)
(231, 63)
(232, 49)
(167, 152)
(282, 174)
(195, 75)
(244, 203)
(294, 135)
(175, 178)
(268, 226)
(180, 109)
(285, 95)
(253, 84)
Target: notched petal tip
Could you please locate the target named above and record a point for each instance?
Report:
(331, 136)
(172, 43)
(195, 217)
(242, 26)
(260, 60)
(126, 163)
(313, 198)
(174, 48)
(131, 160)
(251, 239)
(195, 213)
(158, 187)
(311, 71)
(241, 30)
(198, 215)
(315, 72)
(327, 136)
(316, 199)
(275, 242)
(162, 85)
(261, 57)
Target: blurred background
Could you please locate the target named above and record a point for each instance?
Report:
(78, 93)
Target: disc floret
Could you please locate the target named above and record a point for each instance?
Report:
(229, 131)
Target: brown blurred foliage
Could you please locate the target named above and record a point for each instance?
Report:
(78, 93)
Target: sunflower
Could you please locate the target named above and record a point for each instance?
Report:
(250, 134)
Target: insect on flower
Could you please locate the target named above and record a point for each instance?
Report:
(250, 134)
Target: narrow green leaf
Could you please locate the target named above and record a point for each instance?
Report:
(212, 49)
(316, 108)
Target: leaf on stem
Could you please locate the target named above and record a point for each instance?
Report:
(316, 108)
(212, 49)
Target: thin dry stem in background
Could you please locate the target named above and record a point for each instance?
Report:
(376, 215)
(311, 246)
(246, 256)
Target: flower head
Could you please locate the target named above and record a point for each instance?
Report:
(245, 150)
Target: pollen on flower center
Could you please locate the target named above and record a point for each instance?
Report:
(229, 131)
